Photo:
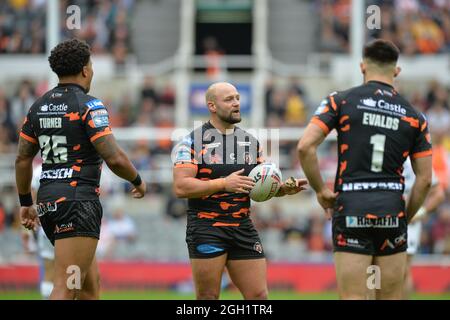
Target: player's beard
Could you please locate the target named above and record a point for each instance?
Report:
(232, 118)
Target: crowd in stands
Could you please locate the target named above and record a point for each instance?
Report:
(105, 26)
(416, 26)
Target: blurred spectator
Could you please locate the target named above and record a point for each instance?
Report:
(429, 37)
(7, 125)
(295, 109)
(214, 59)
(122, 227)
(439, 118)
(168, 95)
(175, 207)
(140, 155)
(22, 102)
(316, 241)
(328, 42)
(2, 217)
(148, 90)
(126, 111)
(441, 231)
(106, 244)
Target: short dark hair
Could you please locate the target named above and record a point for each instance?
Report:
(381, 51)
(69, 57)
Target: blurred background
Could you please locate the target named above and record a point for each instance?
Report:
(153, 60)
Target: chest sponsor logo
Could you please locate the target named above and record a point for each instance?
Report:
(383, 105)
(53, 108)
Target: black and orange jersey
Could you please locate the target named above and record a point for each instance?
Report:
(377, 129)
(64, 122)
(216, 155)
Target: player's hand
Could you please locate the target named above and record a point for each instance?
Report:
(139, 191)
(327, 198)
(29, 218)
(238, 183)
(292, 186)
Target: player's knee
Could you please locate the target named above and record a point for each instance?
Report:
(89, 295)
(62, 292)
(208, 295)
(353, 296)
(258, 295)
(91, 289)
(392, 280)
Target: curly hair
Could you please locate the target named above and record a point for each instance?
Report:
(69, 57)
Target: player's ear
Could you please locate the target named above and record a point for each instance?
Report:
(362, 66)
(211, 106)
(85, 71)
(397, 71)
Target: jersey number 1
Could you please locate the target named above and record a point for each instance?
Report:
(378, 141)
(59, 153)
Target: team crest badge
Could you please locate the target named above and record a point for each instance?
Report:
(258, 247)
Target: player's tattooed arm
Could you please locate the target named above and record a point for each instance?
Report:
(27, 149)
(24, 165)
(115, 157)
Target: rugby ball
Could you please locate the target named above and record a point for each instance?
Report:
(268, 179)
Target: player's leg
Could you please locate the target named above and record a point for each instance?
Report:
(390, 256)
(392, 269)
(91, 286)
(354, 248)
(207, 274)
(351, 274)
(246, 264)
(47, 257)
(414, 231)
(46, 285)
(73, 259)
(408, 285)
(249, 276)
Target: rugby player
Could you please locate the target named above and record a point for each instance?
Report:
(377, 130)
(71, 129)
(211, 168)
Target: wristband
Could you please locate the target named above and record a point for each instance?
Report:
(25, 200)
(420, 213)
(137, 182)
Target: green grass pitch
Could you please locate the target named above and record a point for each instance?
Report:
(226, 295)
